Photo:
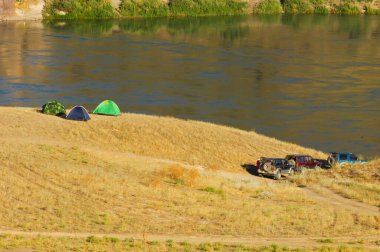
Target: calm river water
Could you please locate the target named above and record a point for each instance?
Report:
(311, 80)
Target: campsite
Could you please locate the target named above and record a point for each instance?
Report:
(189, 126)
(147, 182)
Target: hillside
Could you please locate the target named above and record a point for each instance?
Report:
(139, 174)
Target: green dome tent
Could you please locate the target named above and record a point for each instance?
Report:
(107, 107)
(54, 107)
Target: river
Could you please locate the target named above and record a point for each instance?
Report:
(310, 80)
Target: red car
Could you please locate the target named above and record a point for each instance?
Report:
(304, 161)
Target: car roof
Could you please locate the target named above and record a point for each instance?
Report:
(272, 158)
(298, 155)
(341, 153)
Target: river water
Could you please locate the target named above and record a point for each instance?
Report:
(310, 80)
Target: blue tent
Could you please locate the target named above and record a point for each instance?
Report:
(78, 113)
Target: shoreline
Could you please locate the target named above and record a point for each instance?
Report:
(119, 9)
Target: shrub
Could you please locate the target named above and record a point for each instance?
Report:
(144, 8)
(268, 7)
(93, 239)
(298, 7)
(211, 189)
(320, 7)
(347, 8)
(369, 10)
(206, 7)
(78, 9)
(177, 174)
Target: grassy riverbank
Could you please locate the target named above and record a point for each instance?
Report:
(108, 243)
(135, 174)
(96, 9)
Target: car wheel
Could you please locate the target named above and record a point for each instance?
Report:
(277, 175)
(291, 172)
(331, 161)
(267, 167)
(300, 169)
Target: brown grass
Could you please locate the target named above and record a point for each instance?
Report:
(112, 243)
(176, 174)
(123, 175)
(357, 181)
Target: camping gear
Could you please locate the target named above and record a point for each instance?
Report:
(78, 113)
(54, 107)
(107, 107)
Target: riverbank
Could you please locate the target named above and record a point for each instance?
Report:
(136, 174)
(105, 9)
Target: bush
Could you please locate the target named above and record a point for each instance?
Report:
(268, 7)
(347, 8)
(78, 9)
(298, 7)
(206, 7)
(320, 7)
(144, 8)
(369, 10)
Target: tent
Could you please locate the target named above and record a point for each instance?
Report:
(107, 107)
(54, 107)
(78, 113)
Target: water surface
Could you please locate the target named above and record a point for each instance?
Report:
(311, 80)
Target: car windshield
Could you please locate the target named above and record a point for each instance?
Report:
(343, 156)
(353, 157)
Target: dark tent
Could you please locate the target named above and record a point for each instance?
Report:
(54, 107)
(78, 113)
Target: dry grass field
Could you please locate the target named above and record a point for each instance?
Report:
(141, 176)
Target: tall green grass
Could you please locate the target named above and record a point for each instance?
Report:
(320, 7)
(78, 9)
(206, 7)
(159, 8)
(298, 7)
(347, 8)
(144, 8)
(369, 10)
(268, 7)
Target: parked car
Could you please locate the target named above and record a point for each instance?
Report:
(275, 167)
(303, 161)
(336, 158)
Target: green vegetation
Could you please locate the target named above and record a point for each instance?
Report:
(327, 240)
(73, 9)
(347, 8)
(102, 9)
(369, 10)
(320, 7)
(92, 243)
(144, 8)
(159, 8)
(298, 7)
(211, 189)
(268, 7)
(206, 7)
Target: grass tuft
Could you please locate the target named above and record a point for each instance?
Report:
(78, 9)
(268, 7)
(176, 174)
(326, 240)
(370, 10)
(298, 7)
(144, 8)
(347, 8)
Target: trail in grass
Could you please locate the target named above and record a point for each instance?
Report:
(292, 242)
(327, 196)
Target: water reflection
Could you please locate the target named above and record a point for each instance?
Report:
(313, 80)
